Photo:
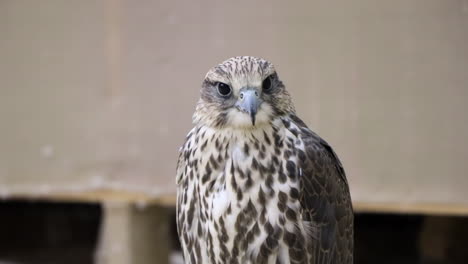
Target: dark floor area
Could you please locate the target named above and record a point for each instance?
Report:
(385, 239)
(48, 233)
(409, 239)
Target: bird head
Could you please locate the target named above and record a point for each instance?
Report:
(242, 92)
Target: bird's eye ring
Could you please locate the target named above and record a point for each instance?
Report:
(223, 89)
(266, 85)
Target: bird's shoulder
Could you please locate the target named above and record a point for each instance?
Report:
(319, 155)
(185, 152)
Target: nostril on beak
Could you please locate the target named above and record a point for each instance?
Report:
(256, 93)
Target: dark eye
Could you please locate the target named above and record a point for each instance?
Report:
(223, 89)
(266, 85)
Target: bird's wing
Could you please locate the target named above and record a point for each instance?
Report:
(180, 172)
(181, 182)
(325, 199)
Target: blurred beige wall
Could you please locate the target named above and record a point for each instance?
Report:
(99, 94)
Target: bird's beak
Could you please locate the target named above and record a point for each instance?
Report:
(248, 102)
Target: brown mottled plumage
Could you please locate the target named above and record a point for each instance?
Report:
(255, 185)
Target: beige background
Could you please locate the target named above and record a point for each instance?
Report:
(99, 94)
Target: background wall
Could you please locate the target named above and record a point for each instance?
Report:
(99, 94)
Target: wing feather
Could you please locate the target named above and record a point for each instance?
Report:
(325, 199)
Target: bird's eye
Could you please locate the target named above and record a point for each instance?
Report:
(266, 85)
(223, 89)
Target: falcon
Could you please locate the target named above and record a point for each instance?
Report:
(254, 183)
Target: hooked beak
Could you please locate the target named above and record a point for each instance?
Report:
(248, 102)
